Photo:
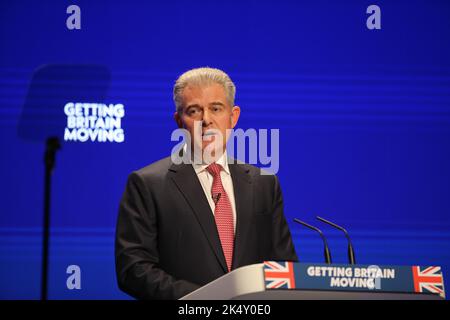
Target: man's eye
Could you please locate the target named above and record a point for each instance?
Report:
(192, 111)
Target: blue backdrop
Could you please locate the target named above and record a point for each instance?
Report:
(364, 119)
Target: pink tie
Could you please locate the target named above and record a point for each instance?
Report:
(223, 213)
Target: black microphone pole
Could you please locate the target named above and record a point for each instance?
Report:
(52, 146)
(327, 253)
(351, 252)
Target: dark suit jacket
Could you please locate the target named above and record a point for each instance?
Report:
(167, 243)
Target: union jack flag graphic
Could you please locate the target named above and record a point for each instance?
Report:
(428, 279)
(279, 275)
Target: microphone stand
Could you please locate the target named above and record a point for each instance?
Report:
(52, 146)
(326, 250)
(350, 250)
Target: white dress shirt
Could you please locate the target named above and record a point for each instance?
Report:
(206, 180)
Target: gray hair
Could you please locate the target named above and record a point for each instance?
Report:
(203, 77)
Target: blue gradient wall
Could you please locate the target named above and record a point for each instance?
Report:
(364, 119)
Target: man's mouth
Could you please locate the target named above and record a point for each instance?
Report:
(208, 133)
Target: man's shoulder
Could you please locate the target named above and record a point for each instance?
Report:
(248, 168)
(255, 172)
(156, 169)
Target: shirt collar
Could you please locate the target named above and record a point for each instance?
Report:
(223, 161)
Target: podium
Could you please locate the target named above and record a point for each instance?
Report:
(256, 282)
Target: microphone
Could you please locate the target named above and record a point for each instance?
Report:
(325, 244)
(216, 197)
(351, 252)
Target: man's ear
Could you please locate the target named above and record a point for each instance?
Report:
(177, 118)
(235, 113)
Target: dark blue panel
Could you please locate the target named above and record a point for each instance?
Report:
(364, 120)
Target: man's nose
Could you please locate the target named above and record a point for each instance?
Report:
(206, 118)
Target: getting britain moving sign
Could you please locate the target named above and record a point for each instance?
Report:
(342, 277)
(94, 122)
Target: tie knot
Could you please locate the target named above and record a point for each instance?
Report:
(214, 169)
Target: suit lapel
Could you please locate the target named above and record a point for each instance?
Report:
(187, 182)
(243, 195)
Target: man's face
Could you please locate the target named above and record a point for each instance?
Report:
(209, 107)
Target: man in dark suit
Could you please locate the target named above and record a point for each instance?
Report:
(182, 225)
